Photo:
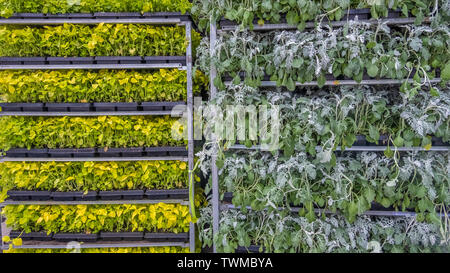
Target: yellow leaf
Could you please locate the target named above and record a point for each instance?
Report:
(183, 165)
(17, 241)
(427, 147)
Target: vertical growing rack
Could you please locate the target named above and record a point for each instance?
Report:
(184, 63)
(226, 25)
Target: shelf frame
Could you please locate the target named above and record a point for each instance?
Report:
(40, 22)
(178, 66)
(380, 213)
(91, 114)
(190, 101)
(93, 159)
(345, 82)
(217, 206)
(358, 148)
(310, 25)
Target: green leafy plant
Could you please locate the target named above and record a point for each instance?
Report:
(350, 52)
(320, 122)
(282, 231)
(246, 13)
(89, 132)
(84, 176)
(95, 218)
(8, 7)
(101, 40)
(416, 181)
(97, 86)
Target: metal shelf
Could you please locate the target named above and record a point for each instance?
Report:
(105, 202)
(359, 148)
(150, 21)
(190, 107)
(380, 213)
(216, 203)
(346, 82)
(92, 66)
(309, 25)
(93, 114)
(63, 245)
(95, 159)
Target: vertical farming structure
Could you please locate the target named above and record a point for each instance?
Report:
(140, 198)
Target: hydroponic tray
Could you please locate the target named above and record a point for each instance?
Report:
(96, 152)
(173, 194)
(394, 17)
(375, 207)
(329, 77)
(361, 141)
(99, 60)
(250, 249)
(102, 15)
(102, 236)
(90, 107)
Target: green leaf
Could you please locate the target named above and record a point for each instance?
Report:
(292, 18)
(398, 141)
(388, 152)
(445, 73)
(372, 70)
(373, 133)
(321, 80)
(290, 84)
(297, 63)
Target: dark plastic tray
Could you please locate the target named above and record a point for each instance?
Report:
(36, 236)
(166, 237)
(167, 194)
(119, 236)
(67, 237)
(102, 15)
(29, 195)
(118, 195)
(68, 107)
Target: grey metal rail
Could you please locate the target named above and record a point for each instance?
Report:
(92, 113)
(99, 202)
(346, 82)
(148, 21)
(267, 27)
(95, 159)
(92, 66)
(358, 148)
(214, 170)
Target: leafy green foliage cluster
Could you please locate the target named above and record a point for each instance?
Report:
(101, 40)
(298, 12)
(334, 117)
(97, 86)
(283, 232)
(165, 249)
(417, 181)
(350, 52)
(95, 218)
(8, 7)
(89, 132)
(84, 176)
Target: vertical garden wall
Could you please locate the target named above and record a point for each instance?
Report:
(98, 148)
(362, 161)
(93, 155)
